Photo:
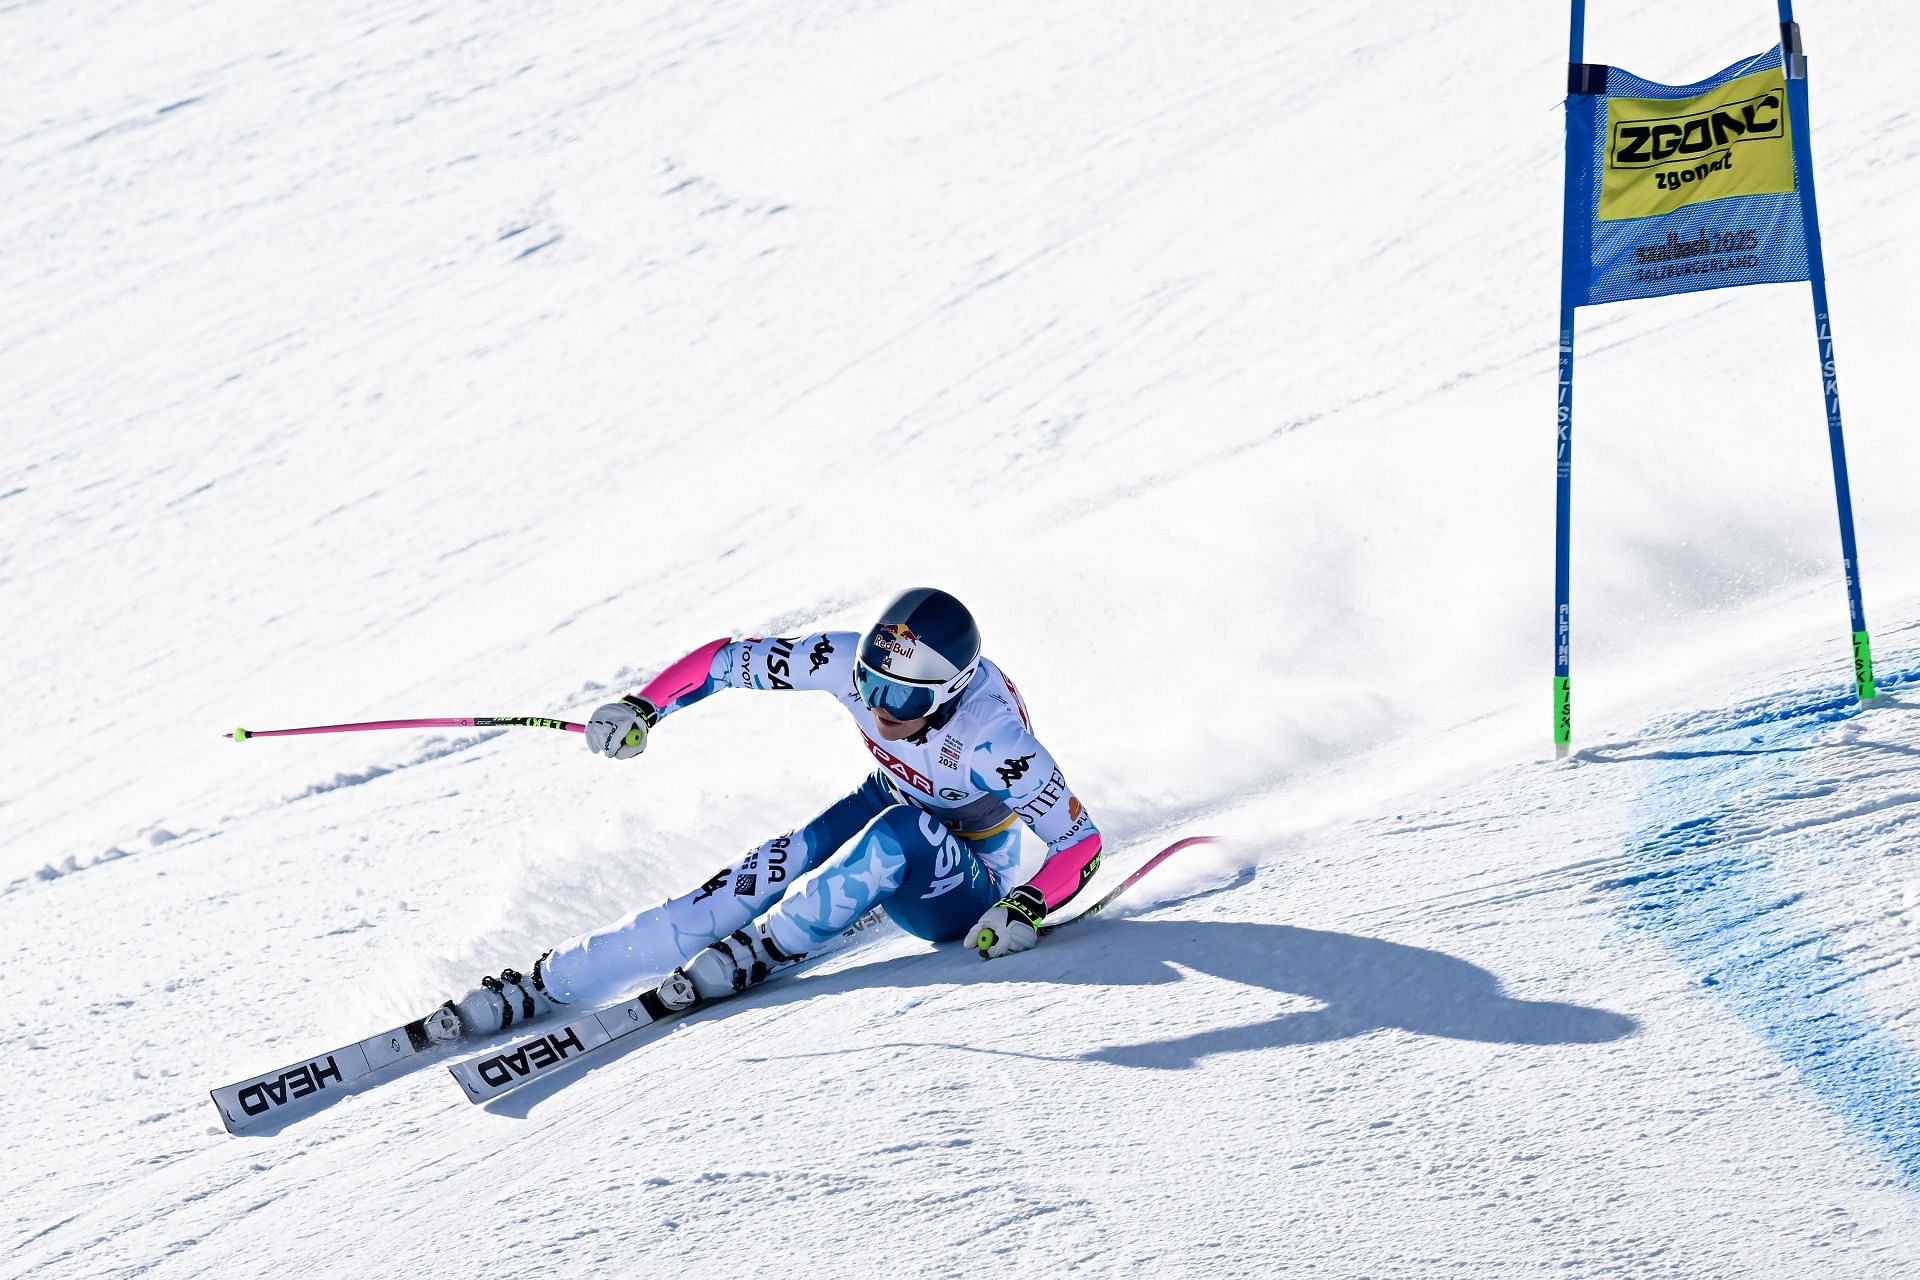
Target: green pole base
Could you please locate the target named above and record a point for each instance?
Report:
(1562, 716)
(1863, 667)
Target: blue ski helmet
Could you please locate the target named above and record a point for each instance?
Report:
(918, 656)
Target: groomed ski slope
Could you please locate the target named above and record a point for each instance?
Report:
(366, 362)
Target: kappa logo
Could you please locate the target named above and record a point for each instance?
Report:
(308, 1078)
(822, 650)
(535, 1055)
(714, 885)
(1014, 768)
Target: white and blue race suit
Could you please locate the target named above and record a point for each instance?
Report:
(931, 835)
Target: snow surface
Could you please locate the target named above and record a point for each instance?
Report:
(385, 360)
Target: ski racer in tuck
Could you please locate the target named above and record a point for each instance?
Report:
(932, 836)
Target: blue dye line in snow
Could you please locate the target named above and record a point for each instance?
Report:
(1716, 904)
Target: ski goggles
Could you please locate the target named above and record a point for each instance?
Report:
(899, 699)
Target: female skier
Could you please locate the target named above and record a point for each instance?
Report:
(930, 835)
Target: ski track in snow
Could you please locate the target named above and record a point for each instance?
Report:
(367, 361)
(158, 836)
(1705, 866)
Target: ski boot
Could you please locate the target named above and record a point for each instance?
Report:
(728, 967)
(495, 1005)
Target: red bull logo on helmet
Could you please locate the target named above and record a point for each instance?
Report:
(896, 638)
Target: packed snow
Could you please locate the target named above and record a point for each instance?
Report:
(366, 361)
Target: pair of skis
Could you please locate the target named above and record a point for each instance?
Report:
(262, 1101)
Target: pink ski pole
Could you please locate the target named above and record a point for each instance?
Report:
(464, 722)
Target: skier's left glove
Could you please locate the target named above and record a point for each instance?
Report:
(1011, 924)
(618, 730)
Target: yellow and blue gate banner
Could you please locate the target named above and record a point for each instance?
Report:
(1676, 189)
(1684, 187)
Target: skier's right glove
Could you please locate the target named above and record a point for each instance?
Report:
(1011, 924)
(618, 730)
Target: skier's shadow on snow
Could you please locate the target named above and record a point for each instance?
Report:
(1362, 984)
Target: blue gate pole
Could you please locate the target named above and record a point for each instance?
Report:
(1570, 243)
(1796, 64)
